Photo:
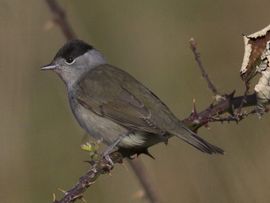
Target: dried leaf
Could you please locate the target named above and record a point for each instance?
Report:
(255, 46)
(262, 88)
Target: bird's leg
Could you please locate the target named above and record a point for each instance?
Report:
(111, 148)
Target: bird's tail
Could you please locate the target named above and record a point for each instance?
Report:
(193, 139)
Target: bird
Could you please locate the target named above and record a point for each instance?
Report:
(113, 106)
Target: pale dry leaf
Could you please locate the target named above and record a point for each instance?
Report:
(262, 88)
(255, 46)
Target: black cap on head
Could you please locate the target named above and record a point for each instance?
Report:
(72, 49)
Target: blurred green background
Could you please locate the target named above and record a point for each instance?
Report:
(39, 141)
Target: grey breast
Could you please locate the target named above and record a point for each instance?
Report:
(96, 126)
(101, 128)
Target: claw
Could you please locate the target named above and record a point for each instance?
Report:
(63, 191)
(108, 158)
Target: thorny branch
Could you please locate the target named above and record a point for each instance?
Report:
(102, 166)
(227, 104)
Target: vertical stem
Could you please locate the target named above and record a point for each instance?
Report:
(141, 173)
(59, 17)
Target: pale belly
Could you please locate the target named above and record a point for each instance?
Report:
(104, 129)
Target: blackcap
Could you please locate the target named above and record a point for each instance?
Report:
(111, 105)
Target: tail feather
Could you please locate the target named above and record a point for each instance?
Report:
(193, 139)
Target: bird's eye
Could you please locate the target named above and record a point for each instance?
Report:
(70, 61)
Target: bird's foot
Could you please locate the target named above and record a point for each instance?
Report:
(108, 159)
(112, 148)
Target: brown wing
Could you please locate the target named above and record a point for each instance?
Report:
(113, 94)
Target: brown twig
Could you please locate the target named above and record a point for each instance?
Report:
(197, 56)
(140, 172)
(59, 17)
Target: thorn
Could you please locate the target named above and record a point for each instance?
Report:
(94, 170)
(83, 200)
(194, 113)
(219, 98)
(192, 41)
(54, 197)
(63, 191)
(231, 110)
(231, 95)
(92, 182)
(194, 110)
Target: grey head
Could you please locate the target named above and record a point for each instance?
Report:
(73, 60)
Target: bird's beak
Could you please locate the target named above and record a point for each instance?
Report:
(49, 67)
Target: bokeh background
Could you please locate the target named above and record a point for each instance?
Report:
(40, 139)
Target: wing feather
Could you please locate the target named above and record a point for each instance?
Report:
(104, 92)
